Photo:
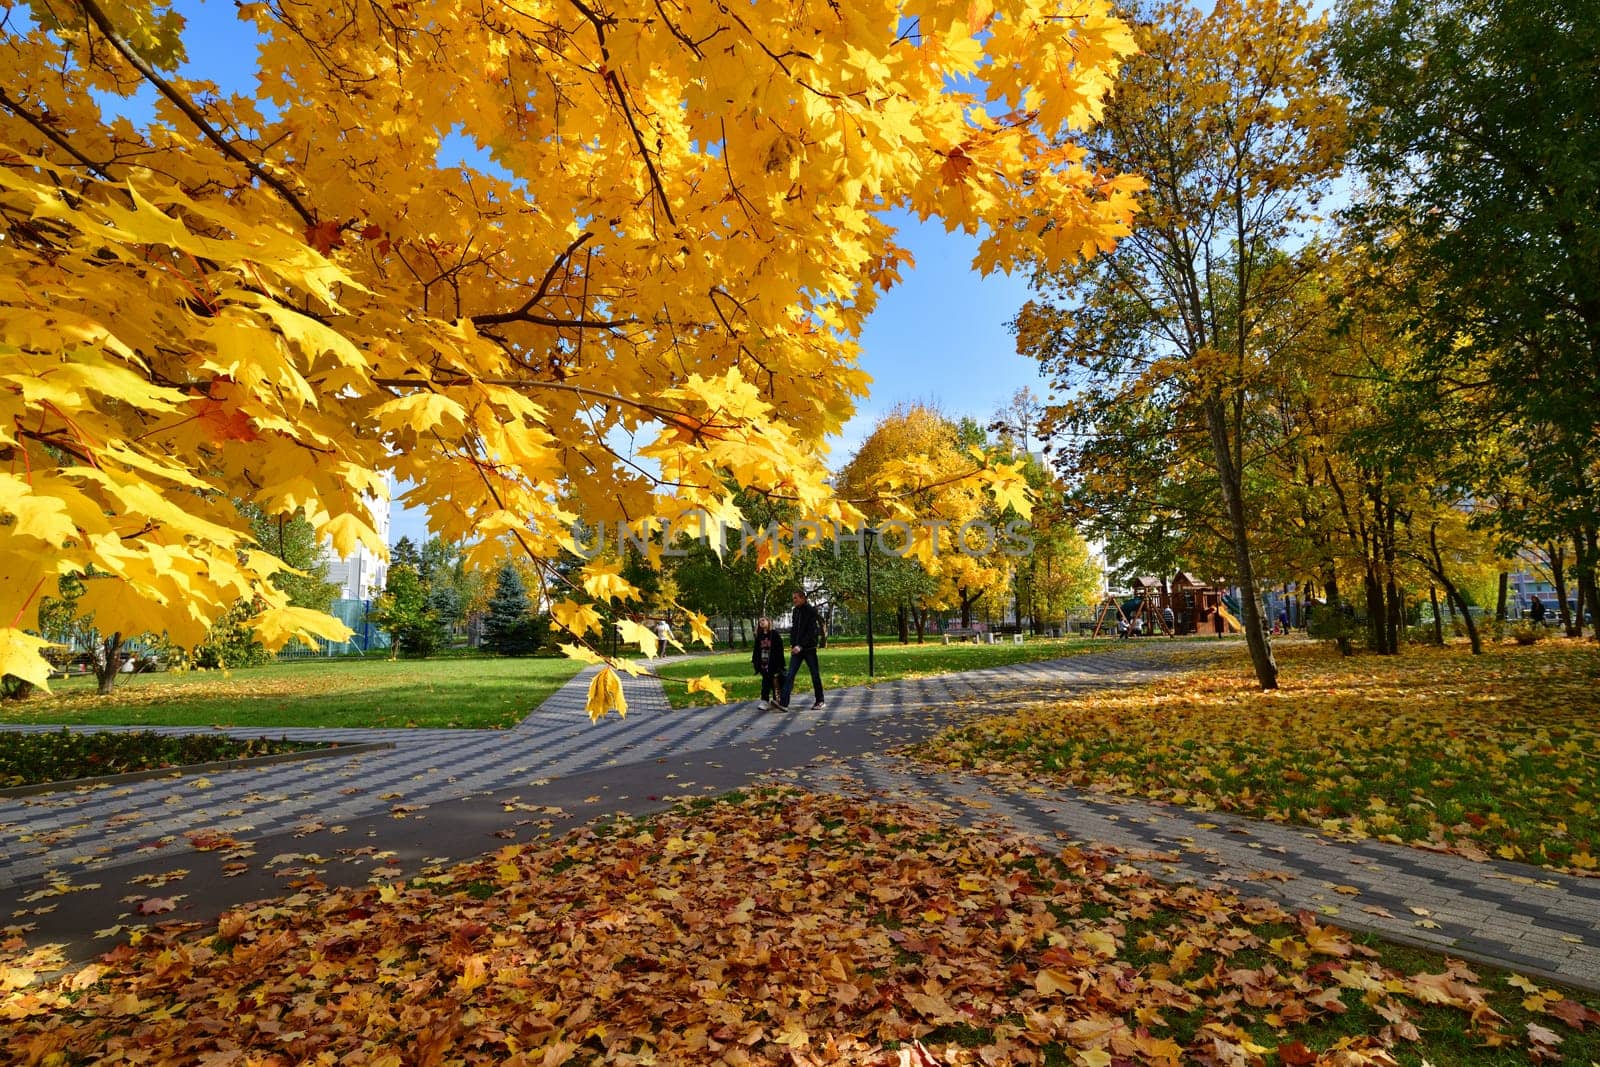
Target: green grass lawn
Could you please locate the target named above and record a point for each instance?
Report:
(476, 693)
(846, 664)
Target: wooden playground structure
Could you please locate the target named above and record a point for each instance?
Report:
(1191, 605)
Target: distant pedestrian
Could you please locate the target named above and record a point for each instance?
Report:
(1536, 611)
(768, 660)
(1169, 619)
(805, 633)
(1218, 623)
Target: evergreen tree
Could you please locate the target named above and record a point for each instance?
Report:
(405, 553)
(508, 628)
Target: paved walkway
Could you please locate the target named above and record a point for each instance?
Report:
(74, 864)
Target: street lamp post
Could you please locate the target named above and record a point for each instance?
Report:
(871, 535)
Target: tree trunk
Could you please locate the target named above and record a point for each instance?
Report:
(1436, 566)
(1396, 606)
(1438, 622)
(109, 664)
(903, 624)
(1500, 598)
(1587, 542)
(1466, 616)
(1558, 577)
(1229, 476)
(1373, 589)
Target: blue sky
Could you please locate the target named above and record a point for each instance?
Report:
(939, 337)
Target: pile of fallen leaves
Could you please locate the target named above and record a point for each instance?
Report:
(780, 928)
(1480, 755)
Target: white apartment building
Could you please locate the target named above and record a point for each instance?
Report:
(362, 575)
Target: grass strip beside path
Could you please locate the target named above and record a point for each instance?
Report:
(781, 928)
(475, 692)
(62, 755)
(1493, 755)
(845, 665)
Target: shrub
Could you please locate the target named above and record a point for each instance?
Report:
(231, 642)
(1527, 633)
(1333, 624)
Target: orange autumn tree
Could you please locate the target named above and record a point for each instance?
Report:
(912, 477)
(674, 216)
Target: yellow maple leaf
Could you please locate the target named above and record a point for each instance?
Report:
(582, 653)
(276, 627)
(635, 633)
(605, 694)
(43, 517)
(421, 412)
(1101, 942)
(575, 618)
(700, 628)
(603, 580)
(22, 654)
(707, 684)
(1053, 981)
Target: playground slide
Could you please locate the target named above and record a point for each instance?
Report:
(1230, 613)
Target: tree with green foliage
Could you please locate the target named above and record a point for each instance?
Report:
(295, 541)
(1230, 117)
(230, 642)
(1479, 131)
(402, 611)
(509, 627)
(404, 553)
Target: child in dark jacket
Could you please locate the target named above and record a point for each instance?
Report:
(768, 660)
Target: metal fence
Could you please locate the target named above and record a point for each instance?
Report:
(366, 638)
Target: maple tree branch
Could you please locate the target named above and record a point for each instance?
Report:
(675, 418)
(183, 104)
(550, 275)
(738, 194)
(501, 317)
(609, 76)
(59, 141)
(676, 32)
(525, 312)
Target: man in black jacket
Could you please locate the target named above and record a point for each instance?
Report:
(805, 634)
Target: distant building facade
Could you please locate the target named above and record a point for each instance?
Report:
(361, 575)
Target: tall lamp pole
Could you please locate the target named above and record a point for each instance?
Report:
(871, 535)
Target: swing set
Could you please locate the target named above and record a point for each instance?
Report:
(1144, 611)
(1137, 615)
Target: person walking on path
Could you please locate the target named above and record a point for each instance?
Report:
(805, 633)
(1536, 611)
(768, 660)
(1218, 624)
